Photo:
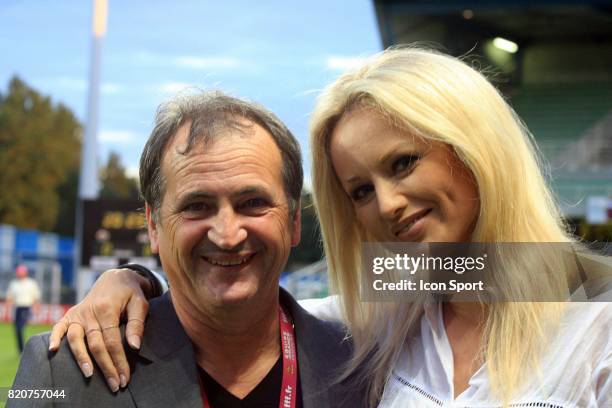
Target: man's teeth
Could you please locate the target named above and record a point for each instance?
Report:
(227, 262)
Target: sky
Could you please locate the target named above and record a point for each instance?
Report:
(278, 53)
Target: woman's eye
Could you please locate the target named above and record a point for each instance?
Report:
(403, 163)
(361, 192)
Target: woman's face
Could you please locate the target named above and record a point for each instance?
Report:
(403, 188)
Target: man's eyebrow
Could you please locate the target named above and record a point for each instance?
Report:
(195, 196)
(204, 195)
(251, 190)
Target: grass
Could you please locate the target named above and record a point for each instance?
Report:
(9, 356)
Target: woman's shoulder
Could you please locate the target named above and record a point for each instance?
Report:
(591, 324)
(585, 332)
(592, 314)
(327, 308)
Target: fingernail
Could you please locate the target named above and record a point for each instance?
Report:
(52, 345)
(123, 380)
(135, 341)
(112, 383)
(87, 370)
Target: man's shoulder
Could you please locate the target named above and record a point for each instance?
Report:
(37, 352)
(61, 364)
(40, 368)
(38, 345)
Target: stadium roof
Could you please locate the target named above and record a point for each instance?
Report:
(460, 25)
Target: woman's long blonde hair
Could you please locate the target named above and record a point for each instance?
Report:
(439, 98)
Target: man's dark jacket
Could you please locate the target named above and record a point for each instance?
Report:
(164, 372)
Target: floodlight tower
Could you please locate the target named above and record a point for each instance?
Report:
(88, 177)
(88, 180)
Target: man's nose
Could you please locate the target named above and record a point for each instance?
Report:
(226, 231)
(391, 202)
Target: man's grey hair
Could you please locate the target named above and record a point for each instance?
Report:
(211, 113)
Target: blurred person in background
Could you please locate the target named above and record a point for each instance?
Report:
(23, 292)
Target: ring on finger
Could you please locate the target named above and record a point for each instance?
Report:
(93, 330)
(112, 326)
(138, 320)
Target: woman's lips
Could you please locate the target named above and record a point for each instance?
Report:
(412, 227)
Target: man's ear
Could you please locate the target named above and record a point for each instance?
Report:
(152, 229)
(296, 225)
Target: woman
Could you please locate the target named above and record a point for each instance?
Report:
(416, 146)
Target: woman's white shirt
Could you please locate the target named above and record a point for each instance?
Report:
(327, 308)
(576, 370)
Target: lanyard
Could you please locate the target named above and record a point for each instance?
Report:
(289, 384)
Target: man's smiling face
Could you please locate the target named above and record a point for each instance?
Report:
(224, 230)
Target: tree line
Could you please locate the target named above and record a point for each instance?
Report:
(40, 147)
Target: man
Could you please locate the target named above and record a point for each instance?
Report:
(222, 180)
(24, 293)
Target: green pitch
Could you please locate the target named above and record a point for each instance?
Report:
(9, 356)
